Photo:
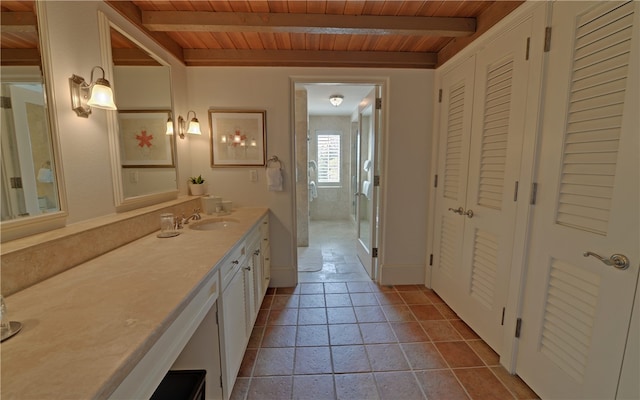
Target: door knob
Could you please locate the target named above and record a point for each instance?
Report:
(458, 210)
(616, 260)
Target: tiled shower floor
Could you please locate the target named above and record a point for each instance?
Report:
(357, 340)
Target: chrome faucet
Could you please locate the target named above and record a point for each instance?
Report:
(195, 216)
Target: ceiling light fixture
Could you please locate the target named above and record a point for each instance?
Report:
(336, 99)
(85, 95)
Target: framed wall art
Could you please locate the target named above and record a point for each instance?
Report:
(238, 138)
(143, 139)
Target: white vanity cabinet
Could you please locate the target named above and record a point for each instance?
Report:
(264, 258)
(233, 318)
(243, 288)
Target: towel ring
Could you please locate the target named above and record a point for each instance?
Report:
(274, 159)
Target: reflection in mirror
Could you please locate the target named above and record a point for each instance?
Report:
(142, 83)
(29, 181)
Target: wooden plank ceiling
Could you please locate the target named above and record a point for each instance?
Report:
(319, 33)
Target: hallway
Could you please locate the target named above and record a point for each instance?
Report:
(331, 255)
(338, 335)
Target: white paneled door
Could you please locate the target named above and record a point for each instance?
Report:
(577, 308)
(480, 152)
(453, 157)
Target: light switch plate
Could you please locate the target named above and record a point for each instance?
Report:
(253, 175)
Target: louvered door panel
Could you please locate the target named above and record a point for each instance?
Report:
(484, 268)
(495, 134)
(569, 313)
(450, 236)
(594, 120)
(453, 156)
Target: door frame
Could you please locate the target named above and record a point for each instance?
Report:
(383, 84)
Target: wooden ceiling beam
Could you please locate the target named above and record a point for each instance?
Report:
(201, 21)
(305, 58)
(20, 57)
(14, 21)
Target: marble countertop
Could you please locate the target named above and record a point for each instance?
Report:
(85, 329)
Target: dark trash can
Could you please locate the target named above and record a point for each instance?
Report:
(181, 385)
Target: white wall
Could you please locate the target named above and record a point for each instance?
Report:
(406, 140)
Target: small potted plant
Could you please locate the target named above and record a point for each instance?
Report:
(196, 185)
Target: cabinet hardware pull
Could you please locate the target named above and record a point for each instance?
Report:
(618, 261)
(458, 210)
(235, 262)
(469, 213)
(247, 268)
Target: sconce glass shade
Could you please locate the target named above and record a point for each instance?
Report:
(336, 100)
(102, 95)
(85, 95)
(194, 127)
(169, 126)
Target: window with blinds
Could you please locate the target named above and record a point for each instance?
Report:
(329, 159)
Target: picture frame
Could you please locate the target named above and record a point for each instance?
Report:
(143, 139)
(238, 138)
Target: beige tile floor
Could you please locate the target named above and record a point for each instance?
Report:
(331, 255)
(337, 335)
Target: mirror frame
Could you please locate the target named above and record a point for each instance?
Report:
(121, 202)
(21, 227)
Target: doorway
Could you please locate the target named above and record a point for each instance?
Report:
(329, 158)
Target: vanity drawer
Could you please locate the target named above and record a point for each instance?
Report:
(231, 263)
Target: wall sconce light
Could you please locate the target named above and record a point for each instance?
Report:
(336, 99)
(85, 95)
(169, 125)
(193, 128)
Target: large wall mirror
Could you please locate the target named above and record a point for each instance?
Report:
(32, 199)
(143, 155)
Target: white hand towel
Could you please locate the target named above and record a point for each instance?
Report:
(274, 179)
(366, 189)
(45, 175)
(313, 190)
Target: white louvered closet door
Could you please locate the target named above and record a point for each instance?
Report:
(576, 309)
(501, 86)
(453, 157)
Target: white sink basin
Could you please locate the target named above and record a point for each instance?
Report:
(213, 224)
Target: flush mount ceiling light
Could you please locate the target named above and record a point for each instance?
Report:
(85, 95)
(336, 99)
(193, 128)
